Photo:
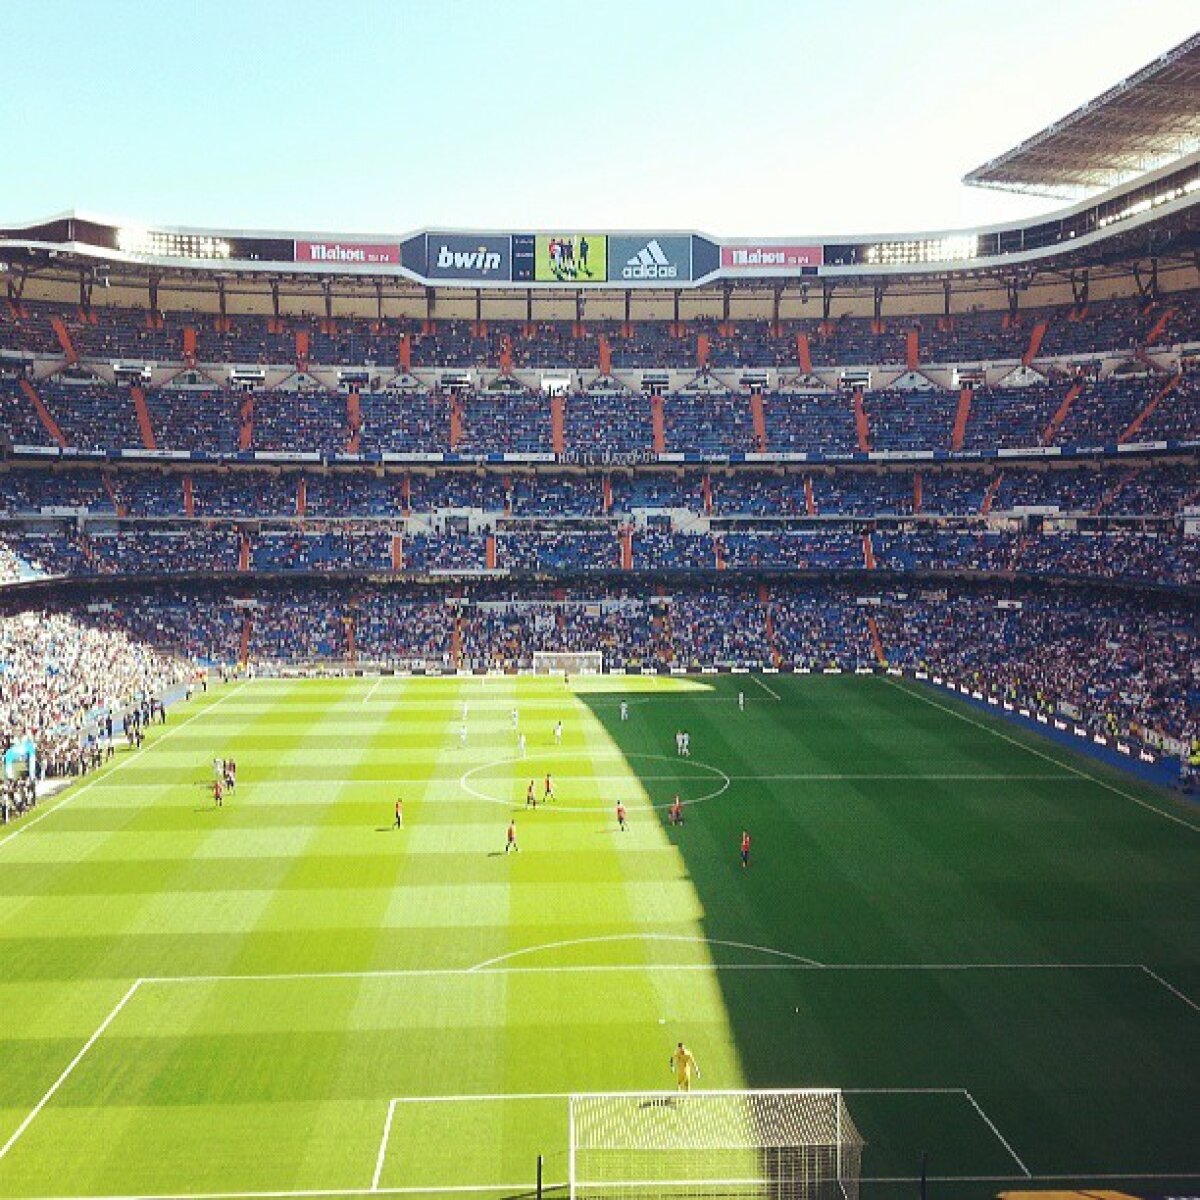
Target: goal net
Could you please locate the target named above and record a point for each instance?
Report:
(801, 1145)
(554, 662)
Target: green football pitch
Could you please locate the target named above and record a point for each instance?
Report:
(990, 943)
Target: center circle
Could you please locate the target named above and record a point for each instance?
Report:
(714, 773)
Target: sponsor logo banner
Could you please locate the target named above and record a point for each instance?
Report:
(462, 256)
(347, 253)
(770, 258)
(570, 258)
(649, 259)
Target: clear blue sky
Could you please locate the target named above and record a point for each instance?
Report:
(760, 117)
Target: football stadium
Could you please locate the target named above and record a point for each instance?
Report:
(610, 712)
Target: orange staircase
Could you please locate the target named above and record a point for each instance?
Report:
(876, 641)
(606, 494)
(804, 353)
(764, 598)
(1112, 492)
(397, 552)
(404, 353)
(189, 497)
(351, 640)
(862, 427)
(1036, 335)
(244, 553)
(558, 424)
(703, 351)
(301, 496)
(246, 424)
(658, 424)
(706, 494)
(626, 548)
(490, 550)
(810, 501)
(868, 552)
(989, 497)
(1060, 413)
(145, 425)
(302, 348)
(354, 422)
(247, 628)
(1163, 392)
(604, 350)
(456, 641)
(49, 424)
(961, 416)
(719, 553)
(456, 422)
(759, 414)
(64, 339)
(918, 492)
(189, 345)
(912, 349)
(1159, 327)
(120, 509)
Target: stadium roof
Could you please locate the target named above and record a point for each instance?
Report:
(1144, 122)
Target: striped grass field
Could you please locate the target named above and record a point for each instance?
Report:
(990, 943)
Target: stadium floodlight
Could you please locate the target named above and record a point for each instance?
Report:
(923, 250)
(799, 1143)
(154, 244)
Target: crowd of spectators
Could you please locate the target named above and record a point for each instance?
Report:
(1122, 662)
(841, 340)
(516, 421)
(66, 679)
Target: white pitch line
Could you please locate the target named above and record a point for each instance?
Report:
(371, 690)
(822, 777)
(487, 1097)
(1173, 990)
(600, 968)
(383, 1145)
(769, 690)
(999, 1136)
(1158, 812)
(37, 1108)
(74, 792)
(525, 1188)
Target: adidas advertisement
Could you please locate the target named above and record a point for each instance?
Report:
(570, 258)
(649, 259)
(468, 256)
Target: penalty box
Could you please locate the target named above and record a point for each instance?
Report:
(281, 1082)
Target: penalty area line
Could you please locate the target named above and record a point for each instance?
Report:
(999, 1136)
(381, 1157)
(766, 688)
(1173, 990)
(37, 1108)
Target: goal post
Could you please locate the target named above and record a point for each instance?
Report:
(556, 662)
(796, 1143)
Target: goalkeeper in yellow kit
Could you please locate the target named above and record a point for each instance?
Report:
(683, 1063)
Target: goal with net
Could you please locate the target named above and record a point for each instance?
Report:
(554, 662)
(799, 1144)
